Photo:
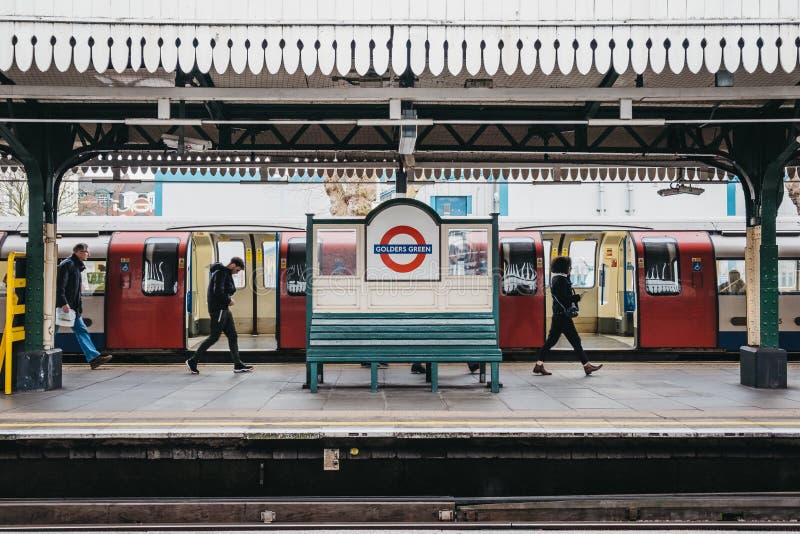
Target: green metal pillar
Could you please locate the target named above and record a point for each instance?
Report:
(42, 149)
(761, 151)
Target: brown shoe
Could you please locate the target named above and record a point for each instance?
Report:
(539, 369)
(590, 368)
(100, 360)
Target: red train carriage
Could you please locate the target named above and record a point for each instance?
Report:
(643, 287)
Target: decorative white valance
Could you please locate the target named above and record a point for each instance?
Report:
(437, 36)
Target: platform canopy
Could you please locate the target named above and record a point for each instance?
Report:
(511, 82)
(337, 37)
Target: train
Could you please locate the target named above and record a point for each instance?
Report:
(646, 286)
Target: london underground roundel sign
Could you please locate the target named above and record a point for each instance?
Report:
(416, 250)
(402, 243)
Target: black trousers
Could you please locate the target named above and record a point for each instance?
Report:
(563, 325)
(221, 321)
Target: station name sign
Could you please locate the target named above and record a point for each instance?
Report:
(403, 249)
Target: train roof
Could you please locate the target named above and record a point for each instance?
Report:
(723, 226)
(96, 225)
(102, 225)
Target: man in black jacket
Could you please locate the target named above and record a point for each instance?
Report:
(220, 290)
(68, 296)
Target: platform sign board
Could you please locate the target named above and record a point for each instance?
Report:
(402, 243)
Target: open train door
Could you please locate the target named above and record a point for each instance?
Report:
(292, 292)
(145, 290)
(522, 302)
(676, 290)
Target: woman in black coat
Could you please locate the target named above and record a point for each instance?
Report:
(563, 297)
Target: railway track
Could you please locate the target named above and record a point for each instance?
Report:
(752, 511)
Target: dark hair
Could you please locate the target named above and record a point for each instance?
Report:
(80, 247)
(561, 264)
(237, 261)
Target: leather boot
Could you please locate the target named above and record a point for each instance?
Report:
(590, 368)
(539, 369)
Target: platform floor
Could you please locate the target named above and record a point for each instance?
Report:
(627, 399)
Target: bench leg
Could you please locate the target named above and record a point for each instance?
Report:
(313, 377)
(321, 373)
(434, 367)
(495, 377)
(482, 372)
(373, 379)
(427, 372)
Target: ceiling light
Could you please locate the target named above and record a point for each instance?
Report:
(678, 189)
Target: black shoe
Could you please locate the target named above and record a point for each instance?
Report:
(242, 368)
(473, 366)
(100, 360)
(191, 363)
(417, 369)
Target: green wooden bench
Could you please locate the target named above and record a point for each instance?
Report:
(431, 338)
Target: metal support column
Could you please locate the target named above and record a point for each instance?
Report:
(762, 152)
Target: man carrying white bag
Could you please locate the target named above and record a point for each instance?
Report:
(69, 304)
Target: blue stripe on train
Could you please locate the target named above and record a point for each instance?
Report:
(69, 344)
(733, 340)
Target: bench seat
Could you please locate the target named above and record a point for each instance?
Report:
(431, 338)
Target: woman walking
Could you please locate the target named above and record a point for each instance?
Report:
(564, 309)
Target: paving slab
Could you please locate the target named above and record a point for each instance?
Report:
(625, 399)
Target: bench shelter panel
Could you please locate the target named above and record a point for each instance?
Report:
(402, 285)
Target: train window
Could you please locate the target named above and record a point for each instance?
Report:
(730, 277)
(583, 263)
(160, 272)
(94, 277)
(336, 253)
(466, 250)
(270, 255)
(789, 276)
(227, 250)
(518, 266)
(548, 248)
(662, 276)
(296, 267)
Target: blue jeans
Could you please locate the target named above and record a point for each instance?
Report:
(84, 339)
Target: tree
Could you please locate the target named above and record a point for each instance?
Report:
(14, 195)
(793, 189)
(354, 197)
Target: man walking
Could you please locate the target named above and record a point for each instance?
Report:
(220, 290)
(68, 297)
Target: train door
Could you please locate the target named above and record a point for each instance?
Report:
(145, 290)
(599, 276)
(292, 300)
(522, 313)
(265, 281)
(676, 290)
(616, 292)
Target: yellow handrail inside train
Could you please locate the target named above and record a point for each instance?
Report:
(13, 308)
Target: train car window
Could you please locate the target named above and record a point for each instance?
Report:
(518, 266)
(270, 255)
(227, 250)
(662, 276)
(789, 276)
(160, 272)
(466, 251)
(296, 267)
(94, 277)
(583, 263)
(730, 277)
(548, 248)
(336, 253)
